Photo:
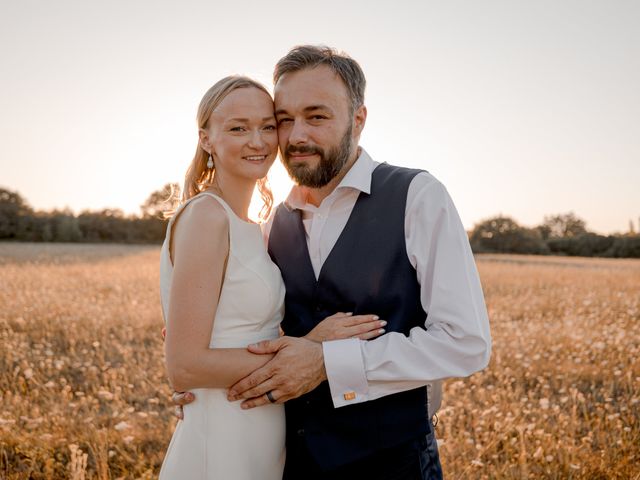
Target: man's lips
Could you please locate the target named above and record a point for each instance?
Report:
(301, 156)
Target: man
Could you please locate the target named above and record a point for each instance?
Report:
(358, 236)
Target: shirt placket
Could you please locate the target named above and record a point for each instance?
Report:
(319, 218)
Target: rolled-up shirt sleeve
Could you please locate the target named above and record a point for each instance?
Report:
(455, 340)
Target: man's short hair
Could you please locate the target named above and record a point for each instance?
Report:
(305, 57)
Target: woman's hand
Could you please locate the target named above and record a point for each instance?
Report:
(346, 325)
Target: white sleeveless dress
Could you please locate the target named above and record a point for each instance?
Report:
(217, 439)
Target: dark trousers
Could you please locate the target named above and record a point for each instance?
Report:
(414, 460)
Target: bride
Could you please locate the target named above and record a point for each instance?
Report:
(220, 292)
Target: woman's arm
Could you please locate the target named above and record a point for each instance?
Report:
(200, 248)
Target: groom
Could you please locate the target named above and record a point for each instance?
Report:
(358, 236)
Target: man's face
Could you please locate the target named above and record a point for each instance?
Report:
(315, 125)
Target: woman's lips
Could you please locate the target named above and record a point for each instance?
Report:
(256, 158)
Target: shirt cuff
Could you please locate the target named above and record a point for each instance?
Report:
(345, 371)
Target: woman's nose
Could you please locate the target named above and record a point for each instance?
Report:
(256, 140)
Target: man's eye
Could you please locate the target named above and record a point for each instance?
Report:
(318, 117)
(284, 120)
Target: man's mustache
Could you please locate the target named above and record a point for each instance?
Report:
(304, 149)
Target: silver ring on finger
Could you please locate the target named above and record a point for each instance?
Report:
(269, 395)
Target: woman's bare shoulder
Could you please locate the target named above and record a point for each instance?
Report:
(204, 212)
(202, 225)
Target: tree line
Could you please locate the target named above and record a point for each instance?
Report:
(562, 234)
(19, 222)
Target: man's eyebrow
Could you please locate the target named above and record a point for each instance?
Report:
(310, 108)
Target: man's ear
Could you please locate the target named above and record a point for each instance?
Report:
(205, 141)
(359, 119)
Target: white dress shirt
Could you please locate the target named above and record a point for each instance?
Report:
(455, 342)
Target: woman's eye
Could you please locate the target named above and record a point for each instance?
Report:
(270, 128)
(237, 129)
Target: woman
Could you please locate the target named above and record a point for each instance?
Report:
(220, 292)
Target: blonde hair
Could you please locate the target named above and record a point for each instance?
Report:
(199, 176)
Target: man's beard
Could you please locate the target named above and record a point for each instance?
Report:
(331, 162)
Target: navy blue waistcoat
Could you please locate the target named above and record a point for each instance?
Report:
(367, 271)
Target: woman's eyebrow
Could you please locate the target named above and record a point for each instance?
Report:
(246, 120)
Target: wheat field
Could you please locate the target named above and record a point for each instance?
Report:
(84, 393)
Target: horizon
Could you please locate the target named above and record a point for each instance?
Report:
(256, 205)
(521, 109)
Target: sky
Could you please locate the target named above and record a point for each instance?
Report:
(521, 108)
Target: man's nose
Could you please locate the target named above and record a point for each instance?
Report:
(298, 134)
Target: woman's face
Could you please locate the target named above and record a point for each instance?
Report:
(241, 135)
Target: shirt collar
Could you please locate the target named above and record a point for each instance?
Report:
(358, 178)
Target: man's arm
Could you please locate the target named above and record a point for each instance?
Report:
(298, 366)
(455, 341)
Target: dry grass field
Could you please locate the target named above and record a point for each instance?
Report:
(84, 395)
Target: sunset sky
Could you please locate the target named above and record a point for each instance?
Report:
(524, 108)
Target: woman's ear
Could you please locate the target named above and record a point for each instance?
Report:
(205, 141)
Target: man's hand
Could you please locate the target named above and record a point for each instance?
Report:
(179, 399)
(297, 368)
